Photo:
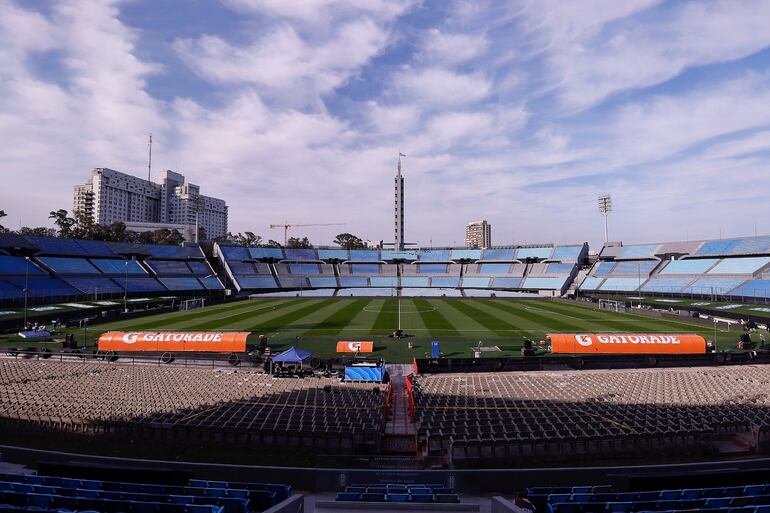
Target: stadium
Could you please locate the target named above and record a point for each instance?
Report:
(153, 360)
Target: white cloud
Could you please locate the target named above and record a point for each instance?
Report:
(591, 57)
(452, 48)
(469, 99)
(665, 125)
(439, 87)
(315, 11)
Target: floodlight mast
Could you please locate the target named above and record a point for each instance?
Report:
(605, 207)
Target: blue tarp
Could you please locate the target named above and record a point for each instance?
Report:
(35, 334)
(293, 355)
(376, 374)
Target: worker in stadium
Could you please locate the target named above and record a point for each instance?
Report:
(522, 503)
(762, 341)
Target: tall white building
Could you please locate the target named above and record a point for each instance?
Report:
(478, 234)
(399, 208)
(111, 196)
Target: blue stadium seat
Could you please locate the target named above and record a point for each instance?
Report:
(300, 254)
(670, 285)
(746, 265)
(175, 252)
(200, 268)
(8, 291)
(475, 282)
(323, 281)
(465, 254)
(591, 283)
(544, 283)
(354, 281)
(709, 285)
(211, 283)
(622, 284)
(504, 254)
(256, 282)
(414, 281)
(44, 287)
(445, 281)
(69, 265)
(16, 265)
(118, 266)
(181, 284)
(560, 268)
(384, 281)
(358, 255)
(433, 255)
(235, 253)
(239, 268)
(718, 247)
(432, 268)
(500, 282)
(567, 253)
(603, 269)
(493, 269)
(333, 254)
(142, 285)
(753, 288)
(95, 285)
(635, 267)
(389, 254)
(639, 251)
(689, 266)
(365, 269)
(304, 268)
(265, 253)
(539, 253)
(169, 267)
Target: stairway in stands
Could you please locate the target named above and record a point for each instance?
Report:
(400, 435)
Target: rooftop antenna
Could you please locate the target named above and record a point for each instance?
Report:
(149, 161)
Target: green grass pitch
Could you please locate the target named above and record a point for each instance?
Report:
(317, 324)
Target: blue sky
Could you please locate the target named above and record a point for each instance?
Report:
(520, 112)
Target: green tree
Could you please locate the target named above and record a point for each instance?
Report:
(85, 228)
(40, 231)
(295, 242)
(62, 221)
(249, 239)
(349, 241)
(273, 244)
(3, 229)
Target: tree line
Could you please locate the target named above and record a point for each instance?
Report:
(80, 226)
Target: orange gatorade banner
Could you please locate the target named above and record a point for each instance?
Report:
(345, 346)
(627, 343)
(217, 342)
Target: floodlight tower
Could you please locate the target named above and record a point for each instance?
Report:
(605, 207)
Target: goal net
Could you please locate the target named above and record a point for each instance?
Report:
(610, 304)
(191, 304)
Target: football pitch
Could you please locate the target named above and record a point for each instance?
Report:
(317, 324)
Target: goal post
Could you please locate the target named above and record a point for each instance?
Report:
(612, 305)
(191, 304)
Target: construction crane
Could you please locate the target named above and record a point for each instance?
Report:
(286, 227)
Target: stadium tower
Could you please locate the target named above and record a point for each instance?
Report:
(399, 235)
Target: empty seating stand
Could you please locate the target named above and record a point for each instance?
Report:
(50, 493)
(505, 416)
(604, 499)
(365, 272)
(186, 405)
(414, 493)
